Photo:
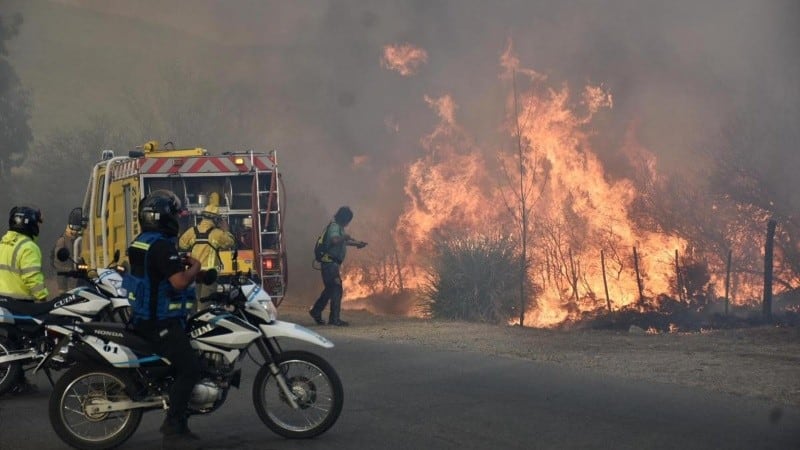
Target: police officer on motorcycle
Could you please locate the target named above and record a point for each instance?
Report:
(21, 275)
(159, 286)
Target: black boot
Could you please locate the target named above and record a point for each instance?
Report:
(177, 429)
(24, 387)
(316, 316)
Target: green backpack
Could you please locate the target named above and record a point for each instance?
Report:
(321, 247)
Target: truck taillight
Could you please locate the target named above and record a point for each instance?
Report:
(268, 263)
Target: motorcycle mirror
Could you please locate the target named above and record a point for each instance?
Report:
(209, 276)
(62, 254)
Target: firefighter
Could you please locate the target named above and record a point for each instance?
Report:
(21, 276)
(336, 242)
(64, 241)
(206, 239)
(159, 284)
(244, 238)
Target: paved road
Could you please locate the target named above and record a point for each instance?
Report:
(398, 396)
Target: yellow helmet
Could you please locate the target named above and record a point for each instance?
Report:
(210, 212)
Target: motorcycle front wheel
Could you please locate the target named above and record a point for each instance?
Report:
(83, 386)
(315, 387)
(10, 372)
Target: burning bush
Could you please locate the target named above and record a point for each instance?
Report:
(476, 279)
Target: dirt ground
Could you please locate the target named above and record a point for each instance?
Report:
(761, 362)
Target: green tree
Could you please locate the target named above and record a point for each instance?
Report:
(15, 133)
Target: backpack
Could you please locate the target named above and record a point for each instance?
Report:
(202, 239)
(321, 246)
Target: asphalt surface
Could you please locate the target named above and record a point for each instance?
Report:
(399, 396)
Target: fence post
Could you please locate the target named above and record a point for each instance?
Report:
(638, 277)
(767, 306)
(727, 281)
(605, 283)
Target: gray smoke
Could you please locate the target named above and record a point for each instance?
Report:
(678, 71)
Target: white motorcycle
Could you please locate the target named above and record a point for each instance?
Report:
(26, 342)
(99, 402)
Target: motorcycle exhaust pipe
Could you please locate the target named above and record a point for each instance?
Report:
(16, 356)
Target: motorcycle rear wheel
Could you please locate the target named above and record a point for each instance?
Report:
(81, 386)
(317, 390)
(10, 373)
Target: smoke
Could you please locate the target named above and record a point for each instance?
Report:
(346, 126)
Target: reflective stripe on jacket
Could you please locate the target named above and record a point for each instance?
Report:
(21, 274)
(150, 300)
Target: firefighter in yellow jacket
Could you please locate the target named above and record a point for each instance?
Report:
(206, 239)
(21, 275)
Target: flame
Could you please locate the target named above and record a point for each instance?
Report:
(585, 238)
(404, 59)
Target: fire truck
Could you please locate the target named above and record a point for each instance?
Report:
(247, 184)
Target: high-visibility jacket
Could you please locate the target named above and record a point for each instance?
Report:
(21, 274)
(149, 299)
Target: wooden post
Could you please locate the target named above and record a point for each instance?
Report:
(727, 281)
(638, 277)
(605, 283)
(574, 277)
(767, 306)
(678, 277)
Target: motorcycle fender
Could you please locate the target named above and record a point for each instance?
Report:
(280, 328)
(6, 316)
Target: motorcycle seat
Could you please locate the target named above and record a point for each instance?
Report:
(28, 307)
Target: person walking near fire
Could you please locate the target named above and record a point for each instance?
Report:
(335, 241)
(206, 239)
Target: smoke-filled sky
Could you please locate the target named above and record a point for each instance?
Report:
(345, 126)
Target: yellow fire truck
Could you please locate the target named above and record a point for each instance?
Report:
(250, 199)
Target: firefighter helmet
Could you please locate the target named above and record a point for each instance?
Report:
(160, 211)
(25, 220)
(210, 212)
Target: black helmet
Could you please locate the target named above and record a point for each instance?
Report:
(160, 211)
(343, 216)
(25, 220)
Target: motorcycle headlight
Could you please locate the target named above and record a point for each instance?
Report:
(267, 306)
(110, 281)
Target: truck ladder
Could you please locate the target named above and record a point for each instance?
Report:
(271, 213)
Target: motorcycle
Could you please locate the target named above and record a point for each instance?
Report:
(99, 402)
(25, 339)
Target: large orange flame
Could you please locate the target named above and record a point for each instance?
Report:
(583, 241)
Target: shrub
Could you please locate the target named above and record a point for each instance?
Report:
(475, 279)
